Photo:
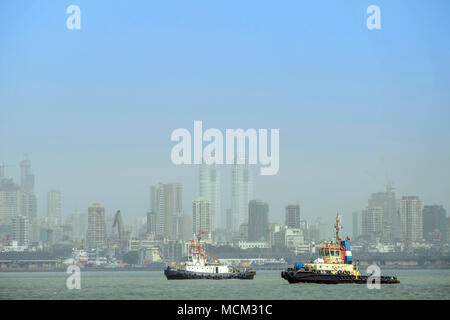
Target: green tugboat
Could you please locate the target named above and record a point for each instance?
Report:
(334, 265)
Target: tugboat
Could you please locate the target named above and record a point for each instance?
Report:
(334, 265)
(197, 267)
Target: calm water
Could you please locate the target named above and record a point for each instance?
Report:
(415, 284)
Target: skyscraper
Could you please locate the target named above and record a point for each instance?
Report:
(167, 201)
(151, 223)
(54, 207)
(411, 218)
(9, 201)
(96, 234)
(28, 200)
(388, 204)
(209, 188)
(201, 216)
(293, 216)
(434, 220)
(372, 223)
(241, 193)
(258, 221)
(20, 230)
(79, 222)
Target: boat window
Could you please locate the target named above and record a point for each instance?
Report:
(336, 253)
(332, 252)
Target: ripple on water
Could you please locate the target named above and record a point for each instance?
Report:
(415, 284)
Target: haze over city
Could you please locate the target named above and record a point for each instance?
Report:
(94, 109)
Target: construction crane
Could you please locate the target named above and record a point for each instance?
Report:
(119, 224)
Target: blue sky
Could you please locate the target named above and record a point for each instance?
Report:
(94, 108)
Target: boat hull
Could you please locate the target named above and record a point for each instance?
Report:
(173, 274)
(300, 276)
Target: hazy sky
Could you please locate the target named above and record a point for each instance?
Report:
(94, 108)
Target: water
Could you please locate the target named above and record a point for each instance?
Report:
(415, 284)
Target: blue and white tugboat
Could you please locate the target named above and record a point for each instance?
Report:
(333, 266)
(197, 267)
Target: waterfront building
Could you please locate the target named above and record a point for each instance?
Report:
(79, 221)
(9, 201)
(151, 224)
(258, 221)
(434, 222)
(96, 234)
(411, 219)
(20, 226)
(28, 200)
(388, 204)
(241, 193)
(201, 215)
(293, 238)
(244, 245)
(293, 216)
(209, 188)
(166, 201)
(54, 208)
(372, 223)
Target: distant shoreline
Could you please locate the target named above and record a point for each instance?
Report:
(444, 267)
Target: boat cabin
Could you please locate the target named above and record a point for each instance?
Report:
(332, 254)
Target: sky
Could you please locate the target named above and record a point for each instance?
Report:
(94, 108)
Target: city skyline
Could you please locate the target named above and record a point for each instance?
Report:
(381, 208)
(352, 118)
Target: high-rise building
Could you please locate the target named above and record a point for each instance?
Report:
(201, 216)
(434, 221)
(178, 226)
(96, 234)
(229, 220)
(258, 221)
(241, 193)
(167, 201)
(151, 224)
(209, 188)
(411, 218)
(79, 222)
(28, 200)
(54, 208)
(20, 230)
(388, 204)
(9, 201)
(372, 223)
(356, 224)
(293, 216)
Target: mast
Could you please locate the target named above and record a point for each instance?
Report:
(338, 227)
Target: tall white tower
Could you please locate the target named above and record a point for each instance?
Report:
(201, 216)
(241, 194)
(54, 207)
(209, 188)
